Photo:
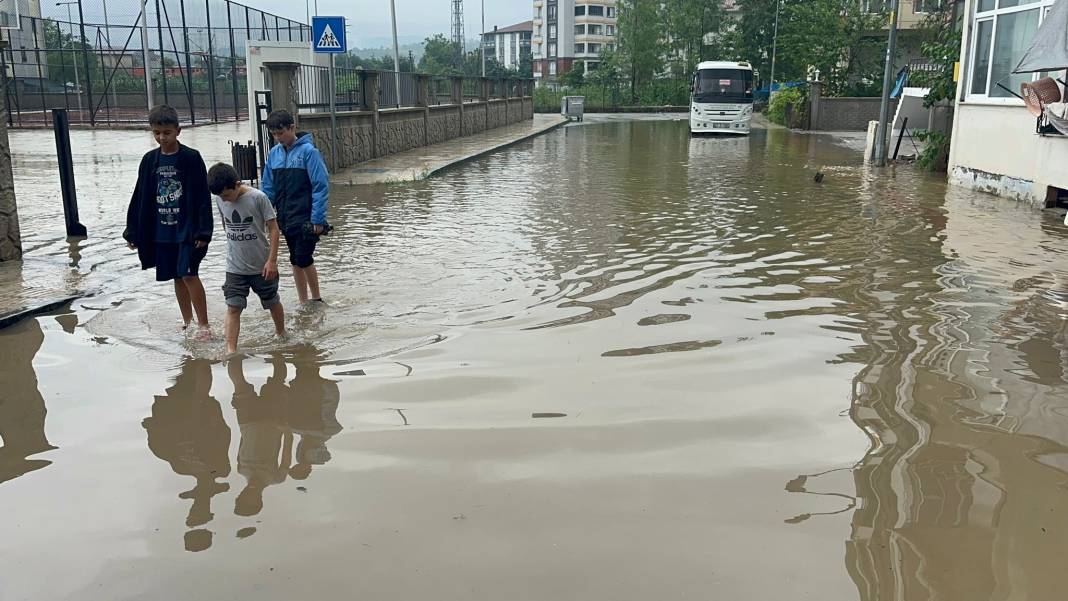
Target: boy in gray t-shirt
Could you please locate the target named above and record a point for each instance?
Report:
(252, 244)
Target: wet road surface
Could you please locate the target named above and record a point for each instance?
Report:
(613, 362)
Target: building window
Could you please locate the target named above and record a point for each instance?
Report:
(552, 12)
(611, 12)
(552, 50)
(876, 6)
(1002, 31)
(537, 15)
(925, 6)
(580, 48)
(552, 32)
(596, 29)
(593, 48)
(580, 30)
(596, 11)
(580, 11)
(22, 50)
(552, 69)
(610, 30)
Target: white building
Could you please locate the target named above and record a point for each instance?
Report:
(21, 60)
(510, 44)
(995, 146)
(571, 33)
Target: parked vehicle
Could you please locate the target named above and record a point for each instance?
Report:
(721, 99)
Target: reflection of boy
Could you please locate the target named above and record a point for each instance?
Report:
(263, 457)
(187, 430)
(169, 219)
(312, 415)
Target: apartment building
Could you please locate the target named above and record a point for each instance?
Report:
(570, 34)
(21, 58)
(509, 44)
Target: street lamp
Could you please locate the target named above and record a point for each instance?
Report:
(77, 78)
(482, 38)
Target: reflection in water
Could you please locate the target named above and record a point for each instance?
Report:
(22, 408)
(187, 430)
(264, 454)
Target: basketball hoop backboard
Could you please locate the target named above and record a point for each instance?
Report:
(9, 14)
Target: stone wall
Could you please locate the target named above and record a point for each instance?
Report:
(365, 135)
(848, 114)
(842, 114)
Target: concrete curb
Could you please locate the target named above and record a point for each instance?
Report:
(471, 157)
(9, 319)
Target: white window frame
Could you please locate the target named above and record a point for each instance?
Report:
(1043, 6)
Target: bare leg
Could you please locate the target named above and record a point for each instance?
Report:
(301, 281)
(232, 328)
(312, 276)
(181, 292)
(199, 299)
(279, 316)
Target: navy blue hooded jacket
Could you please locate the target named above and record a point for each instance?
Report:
(297, 183)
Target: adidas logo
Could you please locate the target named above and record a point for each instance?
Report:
(237, 224)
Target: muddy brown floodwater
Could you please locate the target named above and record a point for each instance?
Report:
(613, 362)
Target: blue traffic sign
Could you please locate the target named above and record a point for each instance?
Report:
(328, 35)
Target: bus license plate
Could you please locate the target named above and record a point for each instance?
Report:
(721, 125)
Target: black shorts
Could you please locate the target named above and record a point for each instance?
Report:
(236, 290)
(177, 261)
(301, 248)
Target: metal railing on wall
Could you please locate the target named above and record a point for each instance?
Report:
(90, 57)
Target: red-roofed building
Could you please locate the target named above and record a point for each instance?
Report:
(509, 44)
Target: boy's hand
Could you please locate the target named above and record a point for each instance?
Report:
(270, 270)
(200, 244)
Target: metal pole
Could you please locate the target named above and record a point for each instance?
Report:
(118, 63)
(774, 49)
(162, 53)
(61, 127)
(482, 39)
(147, 56)
(396, 50)
(211, 64)
(74, 57)
(85, 60)
(190, 94)
(233, 60)
(884, 109)
(333, 115)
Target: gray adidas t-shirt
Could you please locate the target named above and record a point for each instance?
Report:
(245, 225)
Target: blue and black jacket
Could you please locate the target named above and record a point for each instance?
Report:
(296, 181)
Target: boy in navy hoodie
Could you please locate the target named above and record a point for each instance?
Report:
(169, 220)
(296, 181)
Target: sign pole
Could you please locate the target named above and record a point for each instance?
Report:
(333, 115)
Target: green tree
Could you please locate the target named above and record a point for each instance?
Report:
(439, 56)
(574, 78)
(64, 49)
(689, 22)
(642, 35)
(941, 47)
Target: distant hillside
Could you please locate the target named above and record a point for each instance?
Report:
(415, 48)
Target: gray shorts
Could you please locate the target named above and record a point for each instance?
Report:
(236, 290)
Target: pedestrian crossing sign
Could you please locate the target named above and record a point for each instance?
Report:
(328, 35)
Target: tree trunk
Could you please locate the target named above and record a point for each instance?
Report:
(10, 238)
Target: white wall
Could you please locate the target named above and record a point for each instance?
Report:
(259, 53)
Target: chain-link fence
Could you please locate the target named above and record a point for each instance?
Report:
(90, 57)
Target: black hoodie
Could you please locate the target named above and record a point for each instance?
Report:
(195, 216)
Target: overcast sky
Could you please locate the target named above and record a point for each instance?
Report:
(416, 19)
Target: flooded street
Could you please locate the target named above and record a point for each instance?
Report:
(612, 362)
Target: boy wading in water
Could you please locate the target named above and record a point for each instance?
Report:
(169, 219)
(252, 244)
(296, 181)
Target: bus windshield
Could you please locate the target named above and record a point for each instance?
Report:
(723, 85)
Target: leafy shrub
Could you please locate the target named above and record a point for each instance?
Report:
(777, 106)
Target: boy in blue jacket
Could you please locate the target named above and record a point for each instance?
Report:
(296, 181)
(169, 220)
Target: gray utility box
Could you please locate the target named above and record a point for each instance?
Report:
(572, 107)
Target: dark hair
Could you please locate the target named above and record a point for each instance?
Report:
(279, 120)
(163, 115)
(222, 177)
